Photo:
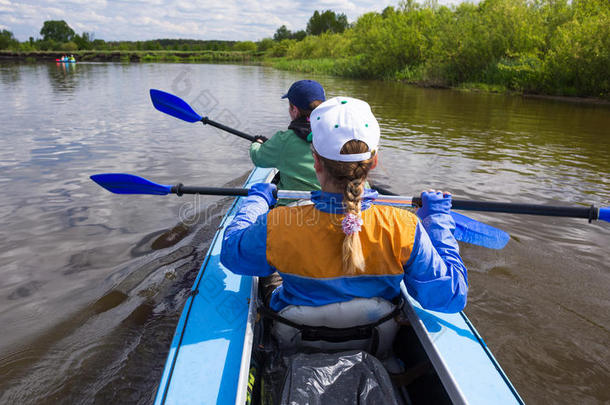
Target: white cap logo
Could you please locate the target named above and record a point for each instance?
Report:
(340, 120)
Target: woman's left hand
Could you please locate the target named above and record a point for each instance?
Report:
(434, 202)
(266, 190)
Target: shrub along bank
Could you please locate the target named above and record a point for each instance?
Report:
(550, 47)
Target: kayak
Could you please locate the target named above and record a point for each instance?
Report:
(211, 358)
(65, 61)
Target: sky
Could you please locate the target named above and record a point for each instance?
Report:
(238, 20)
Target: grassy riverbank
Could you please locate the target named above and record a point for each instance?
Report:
(346, 67)
(137, 56)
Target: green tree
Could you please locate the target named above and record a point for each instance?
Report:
(326, 21)
(281, 48)
(56, 30)
(7, 40)
(264, 44)
(244, 46)
(299, 35)
(388, 11)
(83, 41)
(69, 46)
(282, 33)
(579, 56)
(99, 44)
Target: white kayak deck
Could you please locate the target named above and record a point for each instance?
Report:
(203, 363)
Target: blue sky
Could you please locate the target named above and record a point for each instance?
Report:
(196, 19)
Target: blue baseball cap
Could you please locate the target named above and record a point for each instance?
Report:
(303, 92)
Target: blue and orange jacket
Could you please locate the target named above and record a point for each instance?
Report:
(303, 244)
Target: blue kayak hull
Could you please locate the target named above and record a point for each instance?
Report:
(209, 357)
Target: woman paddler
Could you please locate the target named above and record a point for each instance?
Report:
(290, 151)
(344, 246)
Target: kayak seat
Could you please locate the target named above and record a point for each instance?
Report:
(359, 324)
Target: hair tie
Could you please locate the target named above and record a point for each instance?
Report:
(351, 224)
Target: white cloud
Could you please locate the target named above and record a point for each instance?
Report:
(196, 19)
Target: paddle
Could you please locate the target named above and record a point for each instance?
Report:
(176, 107)
(591, 213)
(468, 230)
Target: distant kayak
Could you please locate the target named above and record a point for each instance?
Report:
(65, 61)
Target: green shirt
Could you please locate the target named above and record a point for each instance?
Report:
(292, 156)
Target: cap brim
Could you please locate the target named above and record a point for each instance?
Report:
(285, 95)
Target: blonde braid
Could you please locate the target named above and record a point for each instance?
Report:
(353, 260)
(350, 176)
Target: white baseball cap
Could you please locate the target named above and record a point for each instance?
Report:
(340, 120)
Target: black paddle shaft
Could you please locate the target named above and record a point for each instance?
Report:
(179, 189)
(206, 120)
(591, 213)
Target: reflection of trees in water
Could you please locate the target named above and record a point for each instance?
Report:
(64, 77)
(10, 73)
(489, 127)
(491, 143)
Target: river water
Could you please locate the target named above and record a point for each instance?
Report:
(92, 284)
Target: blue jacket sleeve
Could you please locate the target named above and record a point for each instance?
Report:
(435, 274)
(244, 245)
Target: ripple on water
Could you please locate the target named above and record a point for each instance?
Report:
(119, 336)
(83, 273)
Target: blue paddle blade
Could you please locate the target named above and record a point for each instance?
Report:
(121, 183)
(604, 214)
(174, 106)
(471, 231)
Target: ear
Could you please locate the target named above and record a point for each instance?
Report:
(317, 164)
(294, 112)
(375, 161)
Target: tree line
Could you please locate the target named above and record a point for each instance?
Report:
(57, 35)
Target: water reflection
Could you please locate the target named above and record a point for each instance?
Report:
(10, 73)
(76, 260)
(560, 147)
(63, 77)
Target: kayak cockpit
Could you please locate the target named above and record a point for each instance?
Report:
(285, 366)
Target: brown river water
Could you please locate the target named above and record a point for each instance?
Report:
(92, 284)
